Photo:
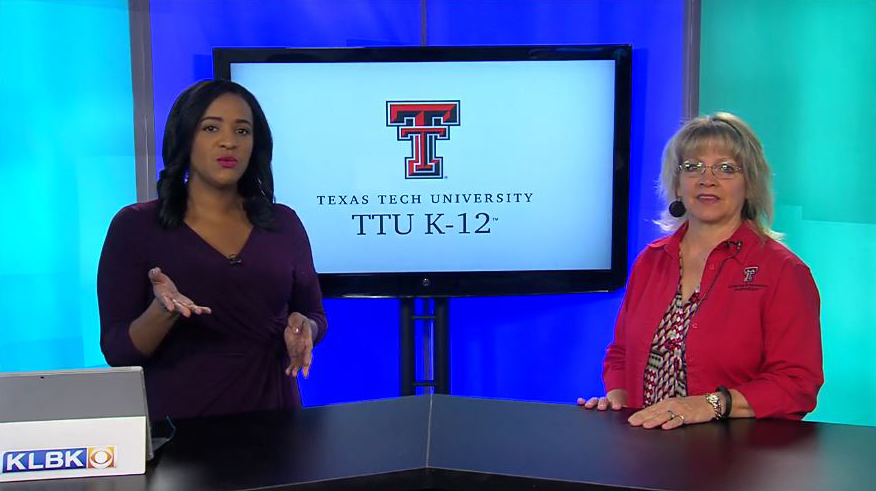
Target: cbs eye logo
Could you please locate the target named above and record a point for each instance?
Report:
(101, 457)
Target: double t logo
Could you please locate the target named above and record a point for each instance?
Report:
(749, 274)
(423, 123)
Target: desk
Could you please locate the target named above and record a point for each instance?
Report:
(455, 443)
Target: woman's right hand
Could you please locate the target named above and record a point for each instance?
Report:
(170, 298)
(615, 399)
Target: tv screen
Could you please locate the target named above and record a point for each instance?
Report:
(451, 171)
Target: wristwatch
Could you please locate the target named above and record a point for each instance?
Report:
(714, 400)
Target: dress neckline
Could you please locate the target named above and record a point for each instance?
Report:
(216, 251)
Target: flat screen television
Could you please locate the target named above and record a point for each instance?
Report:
(451, 171)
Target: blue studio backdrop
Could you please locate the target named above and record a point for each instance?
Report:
(546, 348)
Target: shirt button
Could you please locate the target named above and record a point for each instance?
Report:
(694, 325)
(711, 266)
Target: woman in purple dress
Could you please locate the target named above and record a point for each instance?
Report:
(211, 287)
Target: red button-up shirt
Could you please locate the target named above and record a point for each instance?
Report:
(757, 328)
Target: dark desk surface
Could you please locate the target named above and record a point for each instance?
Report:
(453, 443)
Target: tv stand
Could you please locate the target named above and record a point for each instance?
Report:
(435, 344)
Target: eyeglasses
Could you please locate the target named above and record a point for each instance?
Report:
(721, 170)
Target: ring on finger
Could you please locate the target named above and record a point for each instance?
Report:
(671, 414)
(681, 416)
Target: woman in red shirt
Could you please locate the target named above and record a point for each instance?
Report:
(719, 320)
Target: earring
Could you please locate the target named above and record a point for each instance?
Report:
(747, 212)
(677, 208)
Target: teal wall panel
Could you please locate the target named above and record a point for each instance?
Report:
(66, 124)
(803, 74)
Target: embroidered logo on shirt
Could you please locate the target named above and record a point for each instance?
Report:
(748, 283)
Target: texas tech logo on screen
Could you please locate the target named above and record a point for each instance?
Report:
(423, 123)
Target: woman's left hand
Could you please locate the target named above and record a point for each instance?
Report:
(299, 344)
(674, 412)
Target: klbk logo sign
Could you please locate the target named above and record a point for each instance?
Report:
(58, 459)
(423, 123)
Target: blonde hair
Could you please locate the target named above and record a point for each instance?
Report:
(732, 135)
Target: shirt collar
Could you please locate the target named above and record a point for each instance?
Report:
(739, 245)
